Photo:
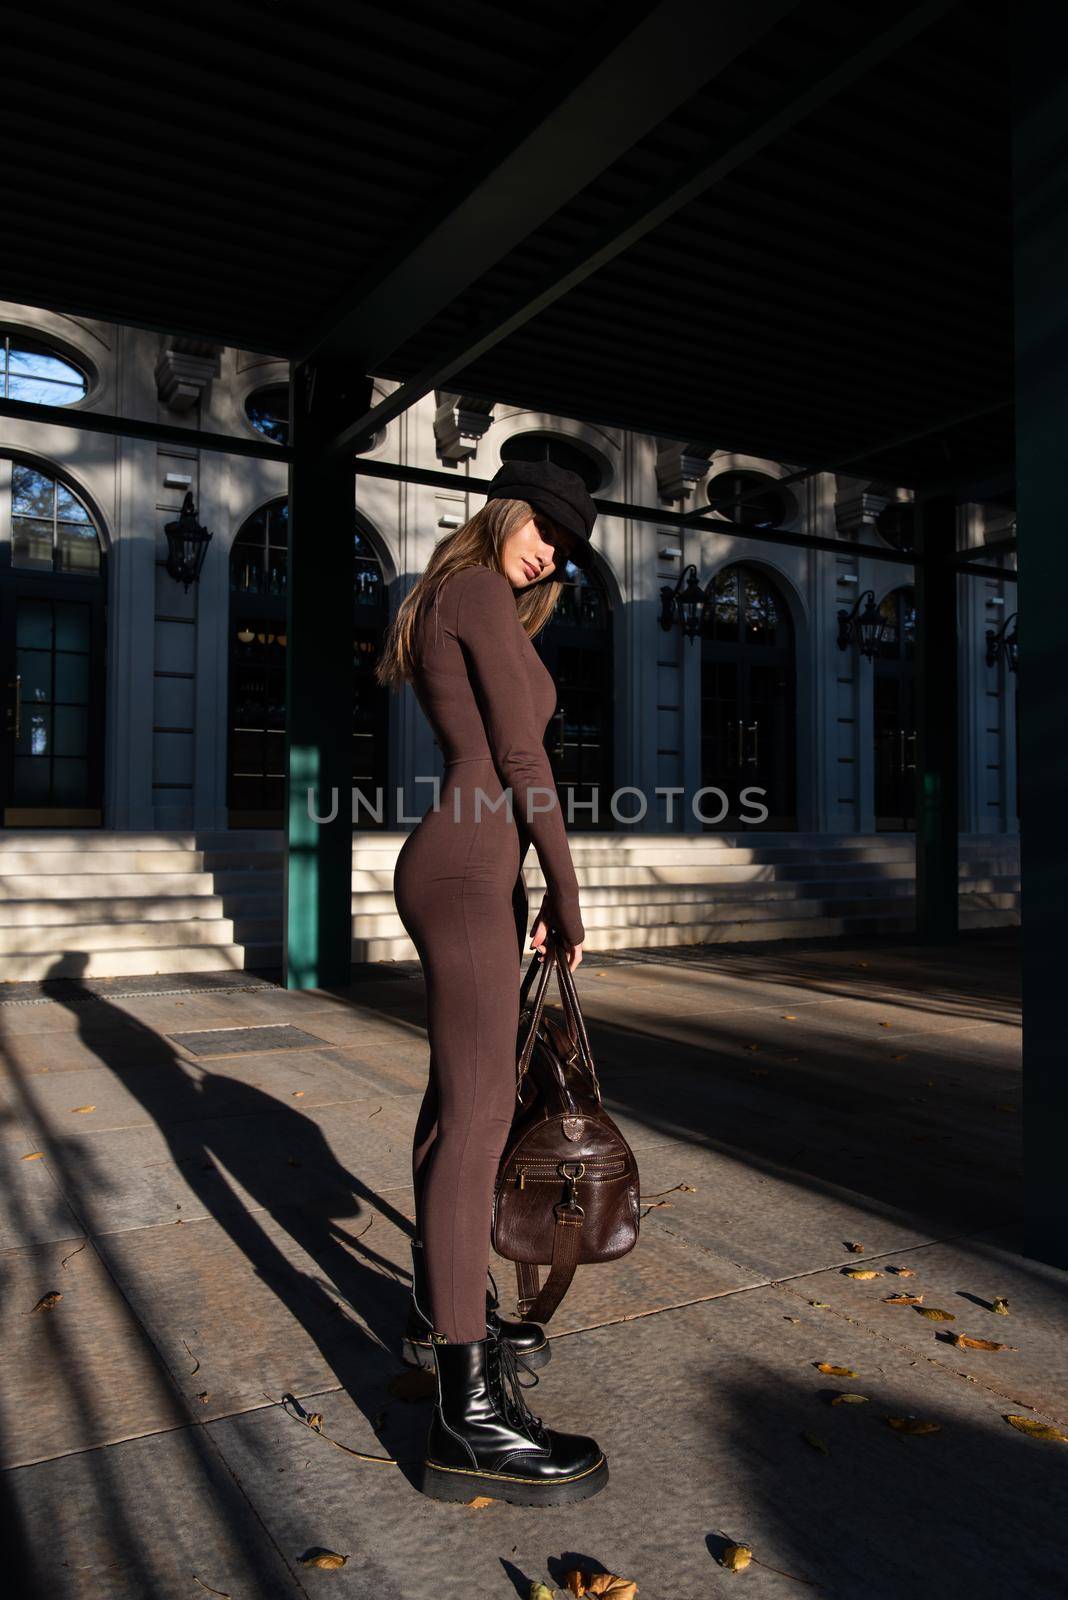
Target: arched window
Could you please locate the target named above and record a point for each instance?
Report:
(576, 646)
(750, 498)
(32, 371)
(52, 668)
(562, 452)
(258, 575)
(749, 701)
(51, 528)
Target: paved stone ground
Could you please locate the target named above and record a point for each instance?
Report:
(228, 1229)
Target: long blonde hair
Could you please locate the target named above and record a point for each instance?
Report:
(478, 543)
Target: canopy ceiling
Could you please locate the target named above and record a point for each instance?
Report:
(783, 230)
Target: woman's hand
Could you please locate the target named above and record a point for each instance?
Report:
(539, 934)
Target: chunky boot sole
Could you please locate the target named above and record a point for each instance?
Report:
(460, 1484)
(416, 1354)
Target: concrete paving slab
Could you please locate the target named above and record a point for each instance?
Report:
(142, 1177)
(246, 1308)
(25, 1055)
(81, 1373)
(32, 1210)
(160, 1518)
(180, 1089)
(768, 1220)
(702, 1413)
(963, 1277)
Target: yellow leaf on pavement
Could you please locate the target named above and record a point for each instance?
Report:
(860, 1272)
(1037, 1430)
(836, 1372)
(913, 1425)
(736, 1557)
(933, 1314)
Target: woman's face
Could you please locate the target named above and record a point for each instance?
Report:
(534, 551)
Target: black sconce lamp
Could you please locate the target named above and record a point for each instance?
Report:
(187, 544)
(686, 604)
(868, 627)
(1003, 642)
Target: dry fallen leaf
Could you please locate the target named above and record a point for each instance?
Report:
(83, 1108)
(736, 1557)
(34, 1155)
(788, 1016)
(902, 1299)
(481, 1500)
(298, 1094)
(902, 1272)
(963, 1342)
(854, 1245)
(835, 1372)
(613, 1588)
(417, 1384)
(539, 1590)
(913, 1425)
(816, 1442)
(847, 1399)
(328, 1560)
(1000, 1305)
(860, 1272)
(820, 1305)
(47, 1301)
(933, 1314)
(315, 1420)
(1037, 1430)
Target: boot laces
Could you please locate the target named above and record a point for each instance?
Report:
(511, 1390)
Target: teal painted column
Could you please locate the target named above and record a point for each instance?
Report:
(317, 916)
(937, 757)
(1040, 249)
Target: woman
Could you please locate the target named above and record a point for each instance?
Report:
(462, 637)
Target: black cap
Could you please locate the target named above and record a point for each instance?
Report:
(557, 493)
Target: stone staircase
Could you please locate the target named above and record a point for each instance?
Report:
(87, 903)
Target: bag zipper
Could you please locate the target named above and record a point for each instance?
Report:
(548, 1171)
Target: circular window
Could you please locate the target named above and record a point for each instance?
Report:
(561, 452)
(268, 411)
(896, 524)
(749, 499)
(32, 371)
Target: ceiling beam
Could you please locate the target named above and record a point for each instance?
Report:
(612, 102)
(841, 68)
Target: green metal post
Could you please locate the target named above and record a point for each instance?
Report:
(937, 872)
(317, 916)
(1040, 246)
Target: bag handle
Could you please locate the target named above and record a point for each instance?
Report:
(576, 1026)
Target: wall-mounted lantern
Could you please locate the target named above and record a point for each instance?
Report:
(685, 605)
(1003, 642)
(187, 544)
(867, 627)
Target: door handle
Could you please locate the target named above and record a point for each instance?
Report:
(910, 766)
(754, 729)
(741, 736)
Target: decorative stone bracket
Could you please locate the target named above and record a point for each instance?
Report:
(184, 370)
(459, 423)
(680, 467)
(859, 512)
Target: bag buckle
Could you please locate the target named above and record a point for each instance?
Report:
(571, 1178)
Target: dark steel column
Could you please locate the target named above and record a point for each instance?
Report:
(1040, 244)
(317, 917)
(937, 805)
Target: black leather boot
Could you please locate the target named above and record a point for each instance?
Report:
(526, 1338)
(484, 1440)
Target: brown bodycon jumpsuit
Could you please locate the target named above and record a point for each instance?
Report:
(459, 890)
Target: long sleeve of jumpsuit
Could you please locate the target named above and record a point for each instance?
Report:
(494, 642)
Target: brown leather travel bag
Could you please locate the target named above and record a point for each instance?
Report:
(567, 1189)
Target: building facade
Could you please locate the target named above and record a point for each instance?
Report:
(134, 704)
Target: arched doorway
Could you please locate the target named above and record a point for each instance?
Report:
(257, 697)
(576, 646)
(53, 629)
(749, 701)
(894, 713)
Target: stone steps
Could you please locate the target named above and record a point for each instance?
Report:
(95, 904)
